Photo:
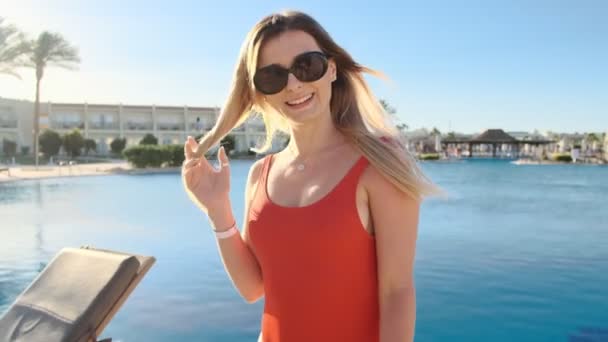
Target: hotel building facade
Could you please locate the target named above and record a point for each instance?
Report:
(104, 122)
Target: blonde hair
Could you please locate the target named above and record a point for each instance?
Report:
(355, 111)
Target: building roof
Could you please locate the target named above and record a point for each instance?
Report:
(494, 136)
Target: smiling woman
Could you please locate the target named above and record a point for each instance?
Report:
(331, 221)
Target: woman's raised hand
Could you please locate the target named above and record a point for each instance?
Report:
(207, 187)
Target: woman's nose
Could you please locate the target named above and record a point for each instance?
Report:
(293, 83)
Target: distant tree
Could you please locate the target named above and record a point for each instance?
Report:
(392, 111)
(229, 143)
(73, 142)
(451, 135)
(592, 137)
(387, 107)
(50, 143)
(118, 145)
(435, 131)
(402, 127)
(89, 145)
(149, 139)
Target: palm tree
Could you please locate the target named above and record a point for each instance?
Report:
(402, 127)
(393, 112)
(12, 48)
(387, 107)
(48, 49)
(591, 137)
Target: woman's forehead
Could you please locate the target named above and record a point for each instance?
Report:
(283, 48)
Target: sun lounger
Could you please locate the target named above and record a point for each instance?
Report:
(74, 297)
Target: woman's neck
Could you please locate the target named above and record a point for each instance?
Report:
(314, 137)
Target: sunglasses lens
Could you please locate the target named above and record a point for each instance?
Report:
(310, 67)
(271, 79)
(307, 67)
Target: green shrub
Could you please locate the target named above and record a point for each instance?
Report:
(118, 145)
(562, 157)
(147, 155)
(429, 156)
(89, 145)
(229, 144)
(175, 154)
(50, 143)
(73, 142)
(149, 139)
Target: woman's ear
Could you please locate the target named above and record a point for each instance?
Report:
(333, 70)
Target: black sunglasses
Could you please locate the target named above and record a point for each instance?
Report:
(306, 67)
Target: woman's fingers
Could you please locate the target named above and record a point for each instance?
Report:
(223, 158)
(188, 163)
(190, 172)
(191, 148)
(187, 149)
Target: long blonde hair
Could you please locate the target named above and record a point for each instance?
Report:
(355, 111)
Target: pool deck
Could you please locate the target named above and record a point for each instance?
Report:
(21, 172)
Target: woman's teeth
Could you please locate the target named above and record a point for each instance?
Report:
(300, 100)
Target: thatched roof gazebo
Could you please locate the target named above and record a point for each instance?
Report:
(494, 137)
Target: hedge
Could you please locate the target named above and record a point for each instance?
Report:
(175, 154)
(155, 155)
(146, 156)
(429, 156)
(562, 157)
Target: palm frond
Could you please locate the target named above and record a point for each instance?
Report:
(10, 71)
(52, 49)
(13, 48)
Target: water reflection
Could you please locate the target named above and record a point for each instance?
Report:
(514, 253)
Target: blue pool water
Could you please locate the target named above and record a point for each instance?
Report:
(516, 253)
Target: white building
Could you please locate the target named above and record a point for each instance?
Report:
(14, 126)
(104, 122)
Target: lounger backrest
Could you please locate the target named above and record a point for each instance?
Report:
(70, 297)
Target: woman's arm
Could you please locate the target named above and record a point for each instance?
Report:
(395, 221)
(236, 252)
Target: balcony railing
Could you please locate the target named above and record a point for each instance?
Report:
(135, 126)
(67, 125)
(200, 127)
(108, 126)
(170, 126)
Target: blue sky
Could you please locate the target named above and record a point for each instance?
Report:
(459, 65)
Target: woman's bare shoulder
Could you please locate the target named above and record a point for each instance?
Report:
(373, 179)
(255, 173)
